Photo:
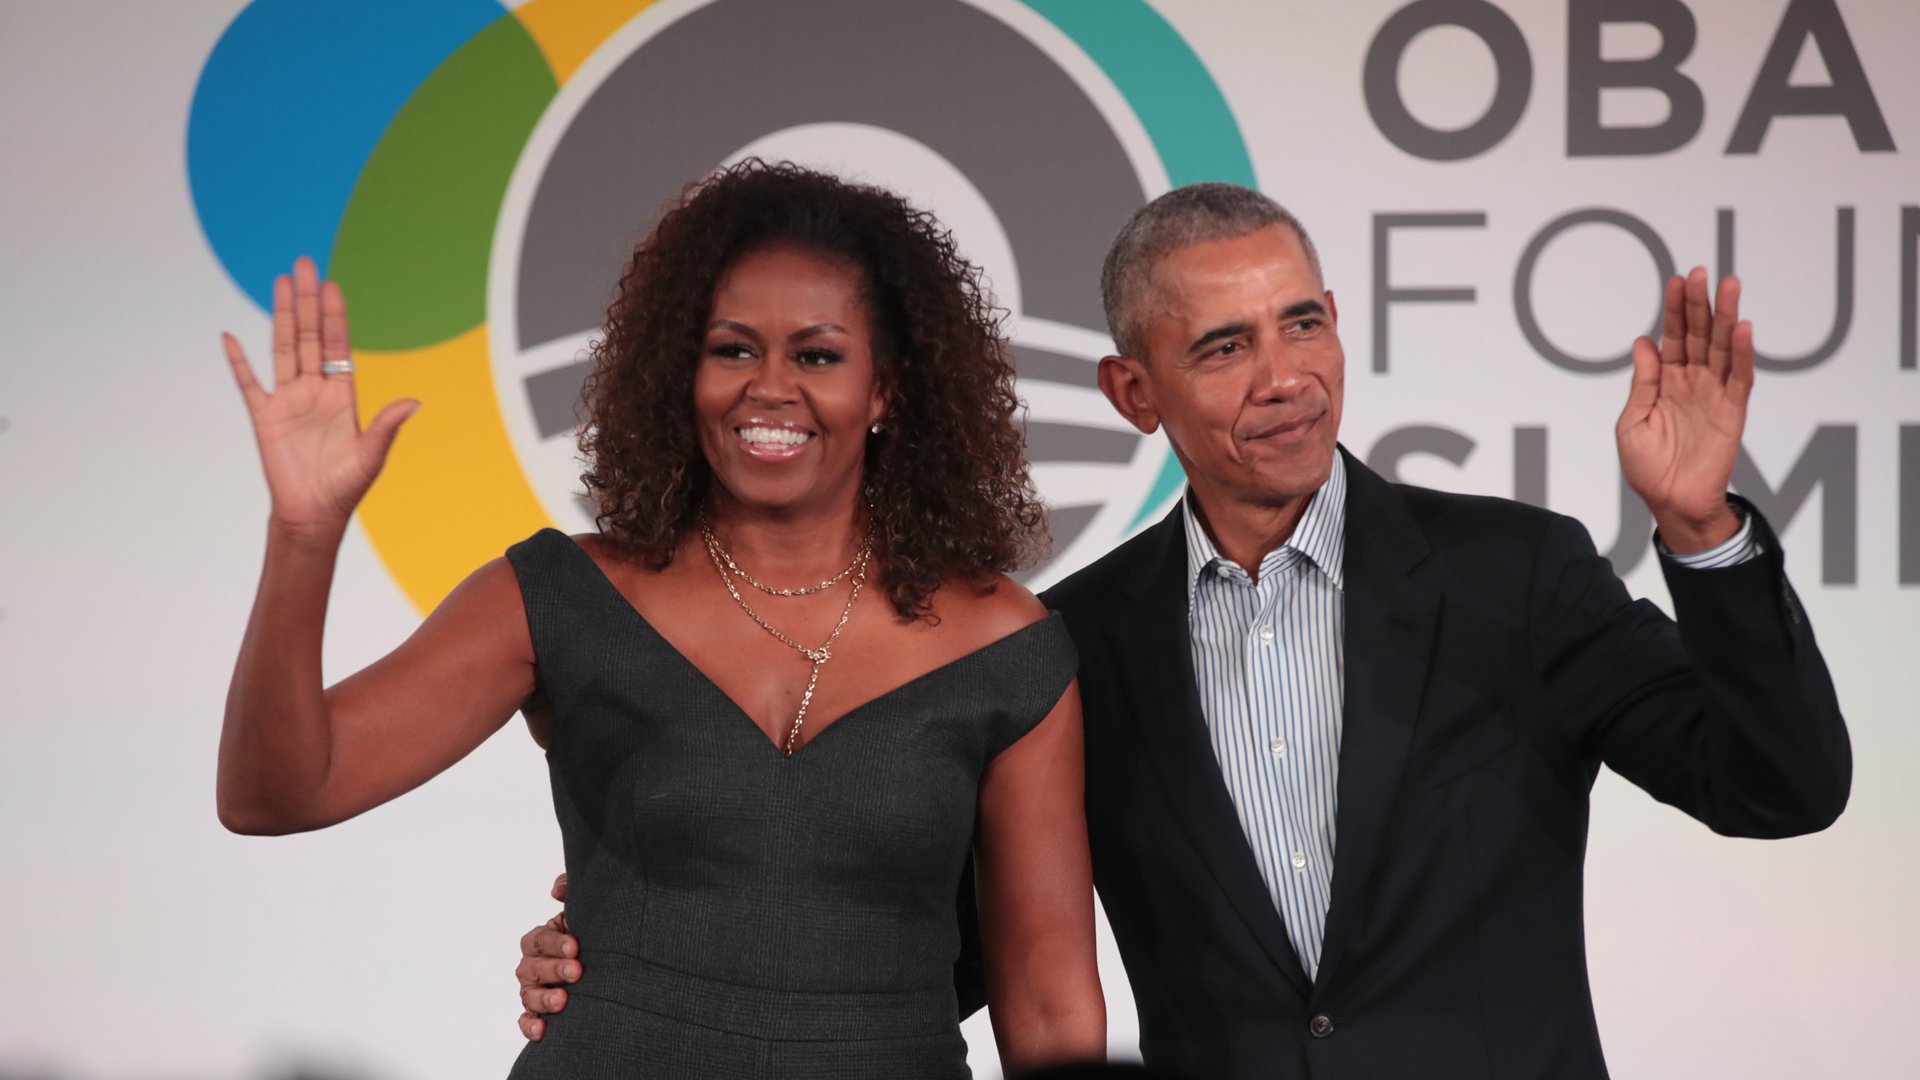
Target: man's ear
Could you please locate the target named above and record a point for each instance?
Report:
(1333, 310)
(1124, 380)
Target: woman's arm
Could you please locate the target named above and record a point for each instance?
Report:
(294, 755)
(1035, 887)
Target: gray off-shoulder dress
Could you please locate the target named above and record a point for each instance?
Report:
(742, 913)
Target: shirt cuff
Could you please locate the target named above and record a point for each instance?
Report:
(1736, 549)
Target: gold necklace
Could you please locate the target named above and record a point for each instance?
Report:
(723, 562)
(715, 550)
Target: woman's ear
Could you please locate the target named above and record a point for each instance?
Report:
(877, 403)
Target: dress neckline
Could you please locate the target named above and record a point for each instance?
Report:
(819, 731)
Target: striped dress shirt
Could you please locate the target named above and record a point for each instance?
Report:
(1269, 657)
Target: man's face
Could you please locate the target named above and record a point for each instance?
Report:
(1243, 367)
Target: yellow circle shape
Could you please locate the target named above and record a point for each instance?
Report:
(453, 494)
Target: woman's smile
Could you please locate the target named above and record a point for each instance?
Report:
(773, 441)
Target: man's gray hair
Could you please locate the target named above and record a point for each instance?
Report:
(1185, 216)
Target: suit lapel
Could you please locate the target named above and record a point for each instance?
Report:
(1390, 621)
(1150, 641)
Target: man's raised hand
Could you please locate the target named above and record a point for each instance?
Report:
(1679, 434)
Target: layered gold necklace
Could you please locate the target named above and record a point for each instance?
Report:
(818, 657)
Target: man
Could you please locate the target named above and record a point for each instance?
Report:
(1341, 733)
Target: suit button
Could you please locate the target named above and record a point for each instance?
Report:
(1320, 1026)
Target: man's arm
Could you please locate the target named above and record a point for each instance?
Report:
(1731, 715)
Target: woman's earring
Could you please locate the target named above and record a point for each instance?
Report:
(875, 428)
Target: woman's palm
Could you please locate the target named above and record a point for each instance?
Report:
(318, 461)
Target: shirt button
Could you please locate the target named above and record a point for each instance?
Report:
(1320, 1026)
(1279, 748)
(1299, 861)
(1266, 635)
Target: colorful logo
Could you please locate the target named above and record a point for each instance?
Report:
(475, 177)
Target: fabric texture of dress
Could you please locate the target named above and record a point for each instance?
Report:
(741, 913)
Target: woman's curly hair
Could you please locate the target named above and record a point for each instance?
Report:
(947, 481)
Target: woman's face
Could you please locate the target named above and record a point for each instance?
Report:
(786, 386)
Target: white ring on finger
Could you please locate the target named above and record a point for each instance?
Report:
(336, 367)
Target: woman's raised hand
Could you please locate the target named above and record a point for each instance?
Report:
(318, 461)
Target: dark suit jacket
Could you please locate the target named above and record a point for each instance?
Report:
(1493, 664)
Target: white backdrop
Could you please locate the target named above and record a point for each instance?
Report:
(139, 940)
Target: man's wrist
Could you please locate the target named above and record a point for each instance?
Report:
(1686, 535)
(1743, 546)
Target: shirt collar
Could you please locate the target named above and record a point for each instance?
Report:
(1320, 537)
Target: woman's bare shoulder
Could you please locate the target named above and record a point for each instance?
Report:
(486, 603)
(596, 545)
(615, 563)
(982, 612)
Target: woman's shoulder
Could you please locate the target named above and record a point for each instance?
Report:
(615, 558)
(1004, 625)
(486, 610)
(552, 566)
(996, 601)
(495, 581)
(599, 547)
(976, 614)
(550, 547)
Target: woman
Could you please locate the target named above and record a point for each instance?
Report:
(784, 688)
